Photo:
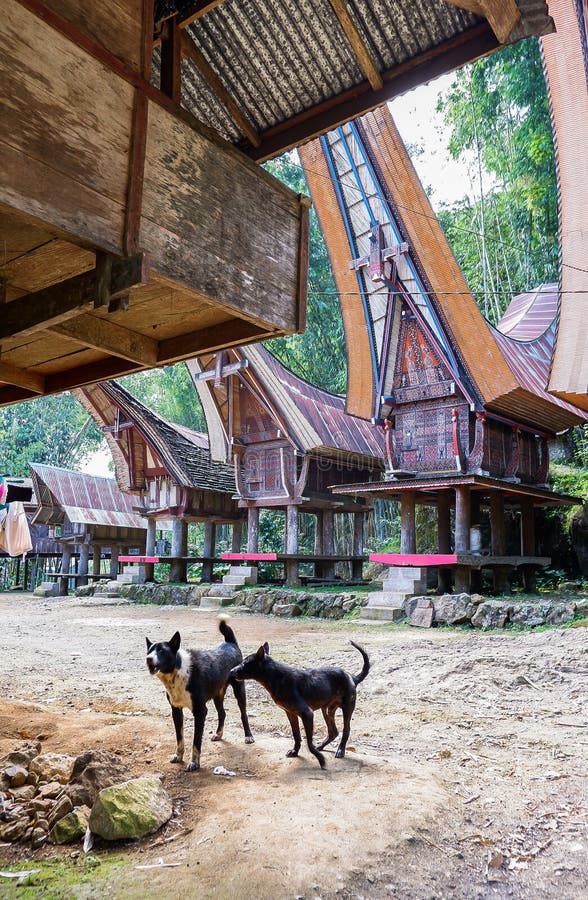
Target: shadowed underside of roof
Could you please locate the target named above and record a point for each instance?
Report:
(294, 68)
(316, 418)
(183, 452)
(84, 499)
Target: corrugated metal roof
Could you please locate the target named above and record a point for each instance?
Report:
(85, 499)
(316, 418)
(530, 314)
(282, 61)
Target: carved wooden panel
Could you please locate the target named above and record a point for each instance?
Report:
(257, 424)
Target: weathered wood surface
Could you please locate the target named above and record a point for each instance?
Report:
(92, 159)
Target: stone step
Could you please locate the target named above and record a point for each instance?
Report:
(47, 589)
(408, 585)
(237, 580)
(107, 595)
(215, 602)
(220, 590)
(247, 571)
(388, 598)
(382, 614)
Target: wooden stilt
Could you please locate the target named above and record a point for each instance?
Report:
(357, 567)
(209, 548)
(462, 535)
(237, 536)
(65, 564)
(407, 523)
(328, 542)
(253, 529)
(150, 548)
(83, 564)
(292, 578)
(444, 539)
(179, 549)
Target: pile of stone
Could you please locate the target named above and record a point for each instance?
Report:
(482, 612)
(50, 797)
(282, 602)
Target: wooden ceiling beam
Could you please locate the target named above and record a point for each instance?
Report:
(503, 15)
(20, 378)
(102, 370)
(235, 331)
(197, 10)
(110, 337)
(191, 52)
(358, 45)
(70, 298)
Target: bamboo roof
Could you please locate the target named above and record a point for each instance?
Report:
(182, 452)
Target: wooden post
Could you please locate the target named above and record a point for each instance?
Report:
(357, 567)
(528, 544)
(83, 564)
(253, 529)
(462, 535)
(96, 558)
(114, 561)
(407, 523)
(444, 539)
(498, 543)
(475, 539)
(171, 60)
(318, 533)
(292, 579)
(65, 564)
(209, 548)
(329, 542)
(237, 536)
(150, 548)
(179, 549)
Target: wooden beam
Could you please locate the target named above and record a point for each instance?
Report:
(503, 15)
(361, 50)
(171, 58)
(235, 331)
(197, 10)
(21, 378)
(102, 370)
(110, 337)
(70, 298)
(445, 57)
(191, 52)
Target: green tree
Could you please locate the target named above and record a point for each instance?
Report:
(505, 238)
(169, 392)
(318, 355)
(52, 430)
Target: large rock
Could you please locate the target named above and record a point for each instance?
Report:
(492, 614)
(453, 609)
(530, 615)
(560, 613)
(92, 772)
(23, 755)
(53, 767)
(287, 609)
(131, 809)
(71, 827)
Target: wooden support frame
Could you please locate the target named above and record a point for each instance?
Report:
(503, 15)
(21, 378)
(110, 337)
(68, 299)
(358, 45)
(171, 59)
(191, 52)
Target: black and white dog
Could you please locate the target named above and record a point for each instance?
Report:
(193, 677)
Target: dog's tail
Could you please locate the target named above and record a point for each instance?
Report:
(366, 664)
(226, 630)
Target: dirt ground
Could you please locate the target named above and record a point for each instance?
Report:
(465, 773)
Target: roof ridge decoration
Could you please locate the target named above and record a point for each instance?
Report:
(388, 250)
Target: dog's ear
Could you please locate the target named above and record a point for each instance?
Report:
(260, 653)
(149, 644)
(175, 642)
(266, 648)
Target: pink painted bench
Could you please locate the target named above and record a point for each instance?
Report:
(138, 559)
(414, 559)
(252, 557)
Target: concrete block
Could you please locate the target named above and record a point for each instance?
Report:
(382, 613)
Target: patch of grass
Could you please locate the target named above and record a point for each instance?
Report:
(58, 877)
